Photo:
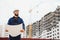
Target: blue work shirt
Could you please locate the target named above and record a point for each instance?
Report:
(13, 21)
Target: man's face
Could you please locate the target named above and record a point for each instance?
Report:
(16, 13)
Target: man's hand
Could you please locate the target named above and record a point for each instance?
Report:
(22, 30)
(6, 30)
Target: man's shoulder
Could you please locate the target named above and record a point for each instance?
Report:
(20, 18)
(11, 18)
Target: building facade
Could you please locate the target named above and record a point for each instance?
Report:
(35, 30)
(48, 26)
(51, 25)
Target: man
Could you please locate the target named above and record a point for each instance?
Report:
(15, 20)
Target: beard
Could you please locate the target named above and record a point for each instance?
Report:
(16, 14)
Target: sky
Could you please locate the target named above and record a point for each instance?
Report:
(42, 6)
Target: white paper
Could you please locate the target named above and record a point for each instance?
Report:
(14, 30)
